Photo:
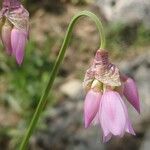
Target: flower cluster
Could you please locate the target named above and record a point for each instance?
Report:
(104, 104)
(14, 27)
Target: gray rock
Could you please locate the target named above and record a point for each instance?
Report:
(73, 89)
(127, 12)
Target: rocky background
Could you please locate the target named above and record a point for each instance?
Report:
(65, 123)
(61, 125)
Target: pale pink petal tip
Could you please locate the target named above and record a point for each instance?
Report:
(131, 93)
(107, 138)
(91, 105)
(129, 128)
(106, 133)
(18, 41)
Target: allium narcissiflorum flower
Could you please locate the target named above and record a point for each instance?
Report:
(104, 104)
(14, 26)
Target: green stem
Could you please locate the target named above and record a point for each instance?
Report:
(59, 60)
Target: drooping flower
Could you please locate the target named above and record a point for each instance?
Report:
(104, 104)
(113, 116)
(14, 26)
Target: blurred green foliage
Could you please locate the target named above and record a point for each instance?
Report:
(121, 37)
(143, 37)
(52, 5)
(24, 85)
(56, 1)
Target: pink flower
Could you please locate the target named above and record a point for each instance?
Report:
(131, 93)
(113, 116)
(104, 103)
(14, 29)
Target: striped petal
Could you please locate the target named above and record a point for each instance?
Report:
(112, 114)
(91, 106)
(131, 93)
(18, 41)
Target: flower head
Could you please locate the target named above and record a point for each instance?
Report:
(14, 26)
(104, 104)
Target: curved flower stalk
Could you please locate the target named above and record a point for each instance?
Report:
(58, 62)
(105, 89)
(104, 105)
(14, 26)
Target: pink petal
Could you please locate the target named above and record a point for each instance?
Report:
(112, 114)
(91, 105)
(129, 128)
(131, 93)
(6, 37)
(18, 41)
(107, 137)
(106, 133)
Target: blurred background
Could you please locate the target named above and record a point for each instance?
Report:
(127, 28)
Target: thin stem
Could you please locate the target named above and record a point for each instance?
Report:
(59, 60)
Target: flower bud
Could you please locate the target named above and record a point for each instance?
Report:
(14, 19)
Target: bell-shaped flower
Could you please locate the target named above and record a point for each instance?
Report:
(113, 116)
(14, 25)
